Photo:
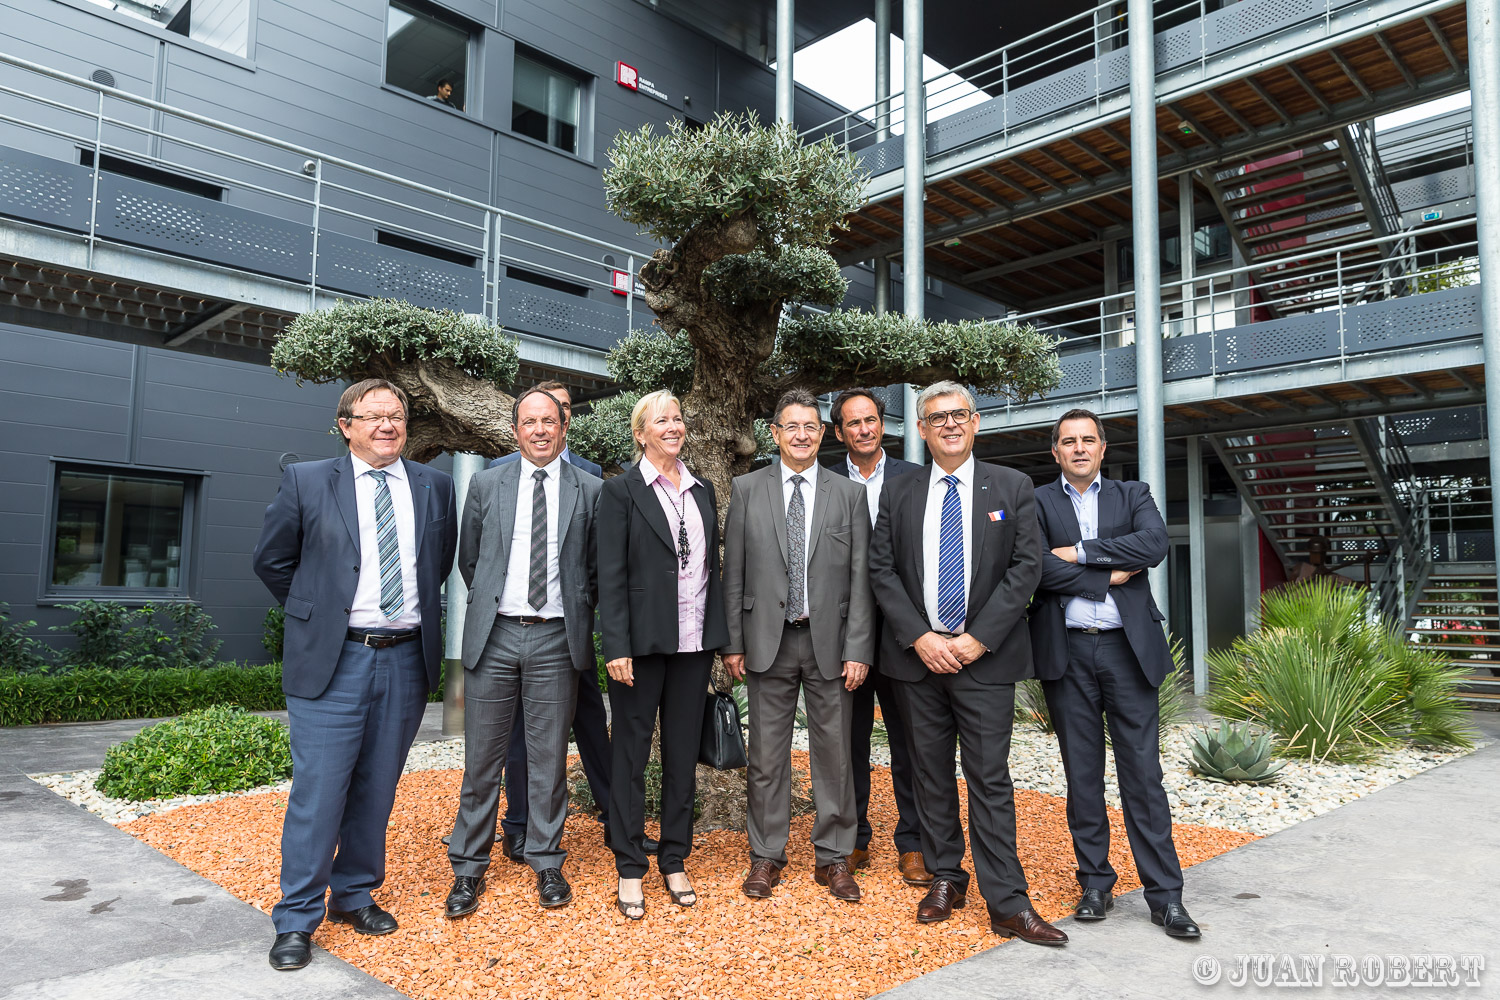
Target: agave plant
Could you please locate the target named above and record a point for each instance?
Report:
(1234, 753)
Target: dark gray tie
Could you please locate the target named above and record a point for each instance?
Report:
(796, 547)
(536, 590)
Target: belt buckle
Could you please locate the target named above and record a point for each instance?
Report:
(373, 641)
(1092, 630)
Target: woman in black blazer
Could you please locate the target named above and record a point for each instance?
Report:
(661, 614)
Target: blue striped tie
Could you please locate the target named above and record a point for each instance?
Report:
(390, 548)
(951, 603)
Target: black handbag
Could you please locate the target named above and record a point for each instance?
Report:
(722, 746)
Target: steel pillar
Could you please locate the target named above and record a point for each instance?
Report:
(465, 464)
(1484, 90)
(913, 199)
(1185, 252)
(1150, 427)
(1198, 573)
(882, 69)
(786, 46)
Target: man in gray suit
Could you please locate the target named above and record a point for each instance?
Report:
(526, 551)
(356, 549)
(801, 616)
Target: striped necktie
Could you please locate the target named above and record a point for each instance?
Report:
(536, 583)
(391, 600)
(796, 544)
(951, 603)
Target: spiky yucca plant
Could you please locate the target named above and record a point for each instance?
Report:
(1232, 752)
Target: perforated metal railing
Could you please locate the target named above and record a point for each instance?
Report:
(1217, 324)
(1077, 62)
(293, 212)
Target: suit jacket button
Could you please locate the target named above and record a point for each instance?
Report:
(781, 604)
(346, 611)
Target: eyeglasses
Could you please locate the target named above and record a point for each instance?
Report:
(376, 419)
(804, 428)
(941, 417)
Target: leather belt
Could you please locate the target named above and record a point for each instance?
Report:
(1094, 630)
(799, 623)
(530, 619)
(382, 640)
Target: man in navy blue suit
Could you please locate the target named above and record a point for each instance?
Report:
(590, 724)
(1100, 654)
(858, 417)
(356, 550)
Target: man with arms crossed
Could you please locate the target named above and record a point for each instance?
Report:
(1101, 655)
(954, 559)
(356, 549)
(797, 598)
(527, 556)
(858, 417)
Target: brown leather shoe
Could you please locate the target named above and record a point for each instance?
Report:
(764, 876)
(1028, 926)
(914, 870)
(858, 858)
(839, 880)
(940, 902)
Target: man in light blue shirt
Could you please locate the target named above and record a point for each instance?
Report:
(1081, 612)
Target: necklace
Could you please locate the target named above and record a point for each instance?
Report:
(683, 549)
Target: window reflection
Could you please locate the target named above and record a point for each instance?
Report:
(118, 530)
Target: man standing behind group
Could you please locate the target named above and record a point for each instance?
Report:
(954, 559)
(1101, 655)
(801, 617)
(858, 417)
(356, 549)
(590, 723)
(527, 556)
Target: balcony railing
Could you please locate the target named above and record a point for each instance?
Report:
(293, 213)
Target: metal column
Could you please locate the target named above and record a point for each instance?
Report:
(1197, 573)
(786, 45)
(465, 464)
(913, 198)
(1484, 90)
(1150, 441)
(1185, 251)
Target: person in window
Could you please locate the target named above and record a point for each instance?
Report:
(659, 639)
(444, 94)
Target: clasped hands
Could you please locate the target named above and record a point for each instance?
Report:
(948, 656)
(854, 671)
(1068, 553)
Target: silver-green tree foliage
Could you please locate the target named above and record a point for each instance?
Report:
(453, 368)
(748, 212)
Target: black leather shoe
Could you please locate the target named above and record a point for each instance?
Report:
(1174, 919)
(365, 920)
(552, 889)
(513, 846)
(650, 846)
(1094, 904)
(463, 898)
(292, 950)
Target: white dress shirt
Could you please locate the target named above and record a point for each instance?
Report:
(1081, 612)
(932, 527)
(809, 487)
(872, 485)
(513, 599)
(365, 611)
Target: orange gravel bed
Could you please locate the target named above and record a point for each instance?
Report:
(800, 943)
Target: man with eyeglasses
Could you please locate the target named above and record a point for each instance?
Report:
(356, 550)
(801, 618)
(527, 554)
(954, 559)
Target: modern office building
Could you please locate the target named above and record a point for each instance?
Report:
(1284, 337)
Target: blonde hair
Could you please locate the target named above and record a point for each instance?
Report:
(647, 408)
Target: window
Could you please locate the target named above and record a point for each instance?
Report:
(224, 24)
(120, 529)
(546, 104)
(427, 55)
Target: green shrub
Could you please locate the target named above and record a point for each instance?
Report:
(1334, 682)
(20, 652)
(273, 632)
(218, 749)
(112, 636)
(88, 695)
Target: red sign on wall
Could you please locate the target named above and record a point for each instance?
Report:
(626, 76)
(621, 283)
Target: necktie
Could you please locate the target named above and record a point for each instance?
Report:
(951, 603)
(796, 547)
(390, 548)
(536, 589)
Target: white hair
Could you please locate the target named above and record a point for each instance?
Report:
(945, 388)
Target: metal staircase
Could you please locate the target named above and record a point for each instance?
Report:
(1336, 481)
(1458, 615)
(1281, 208)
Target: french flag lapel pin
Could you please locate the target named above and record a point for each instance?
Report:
(997, 515)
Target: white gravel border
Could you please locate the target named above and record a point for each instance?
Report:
(1304, 789)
